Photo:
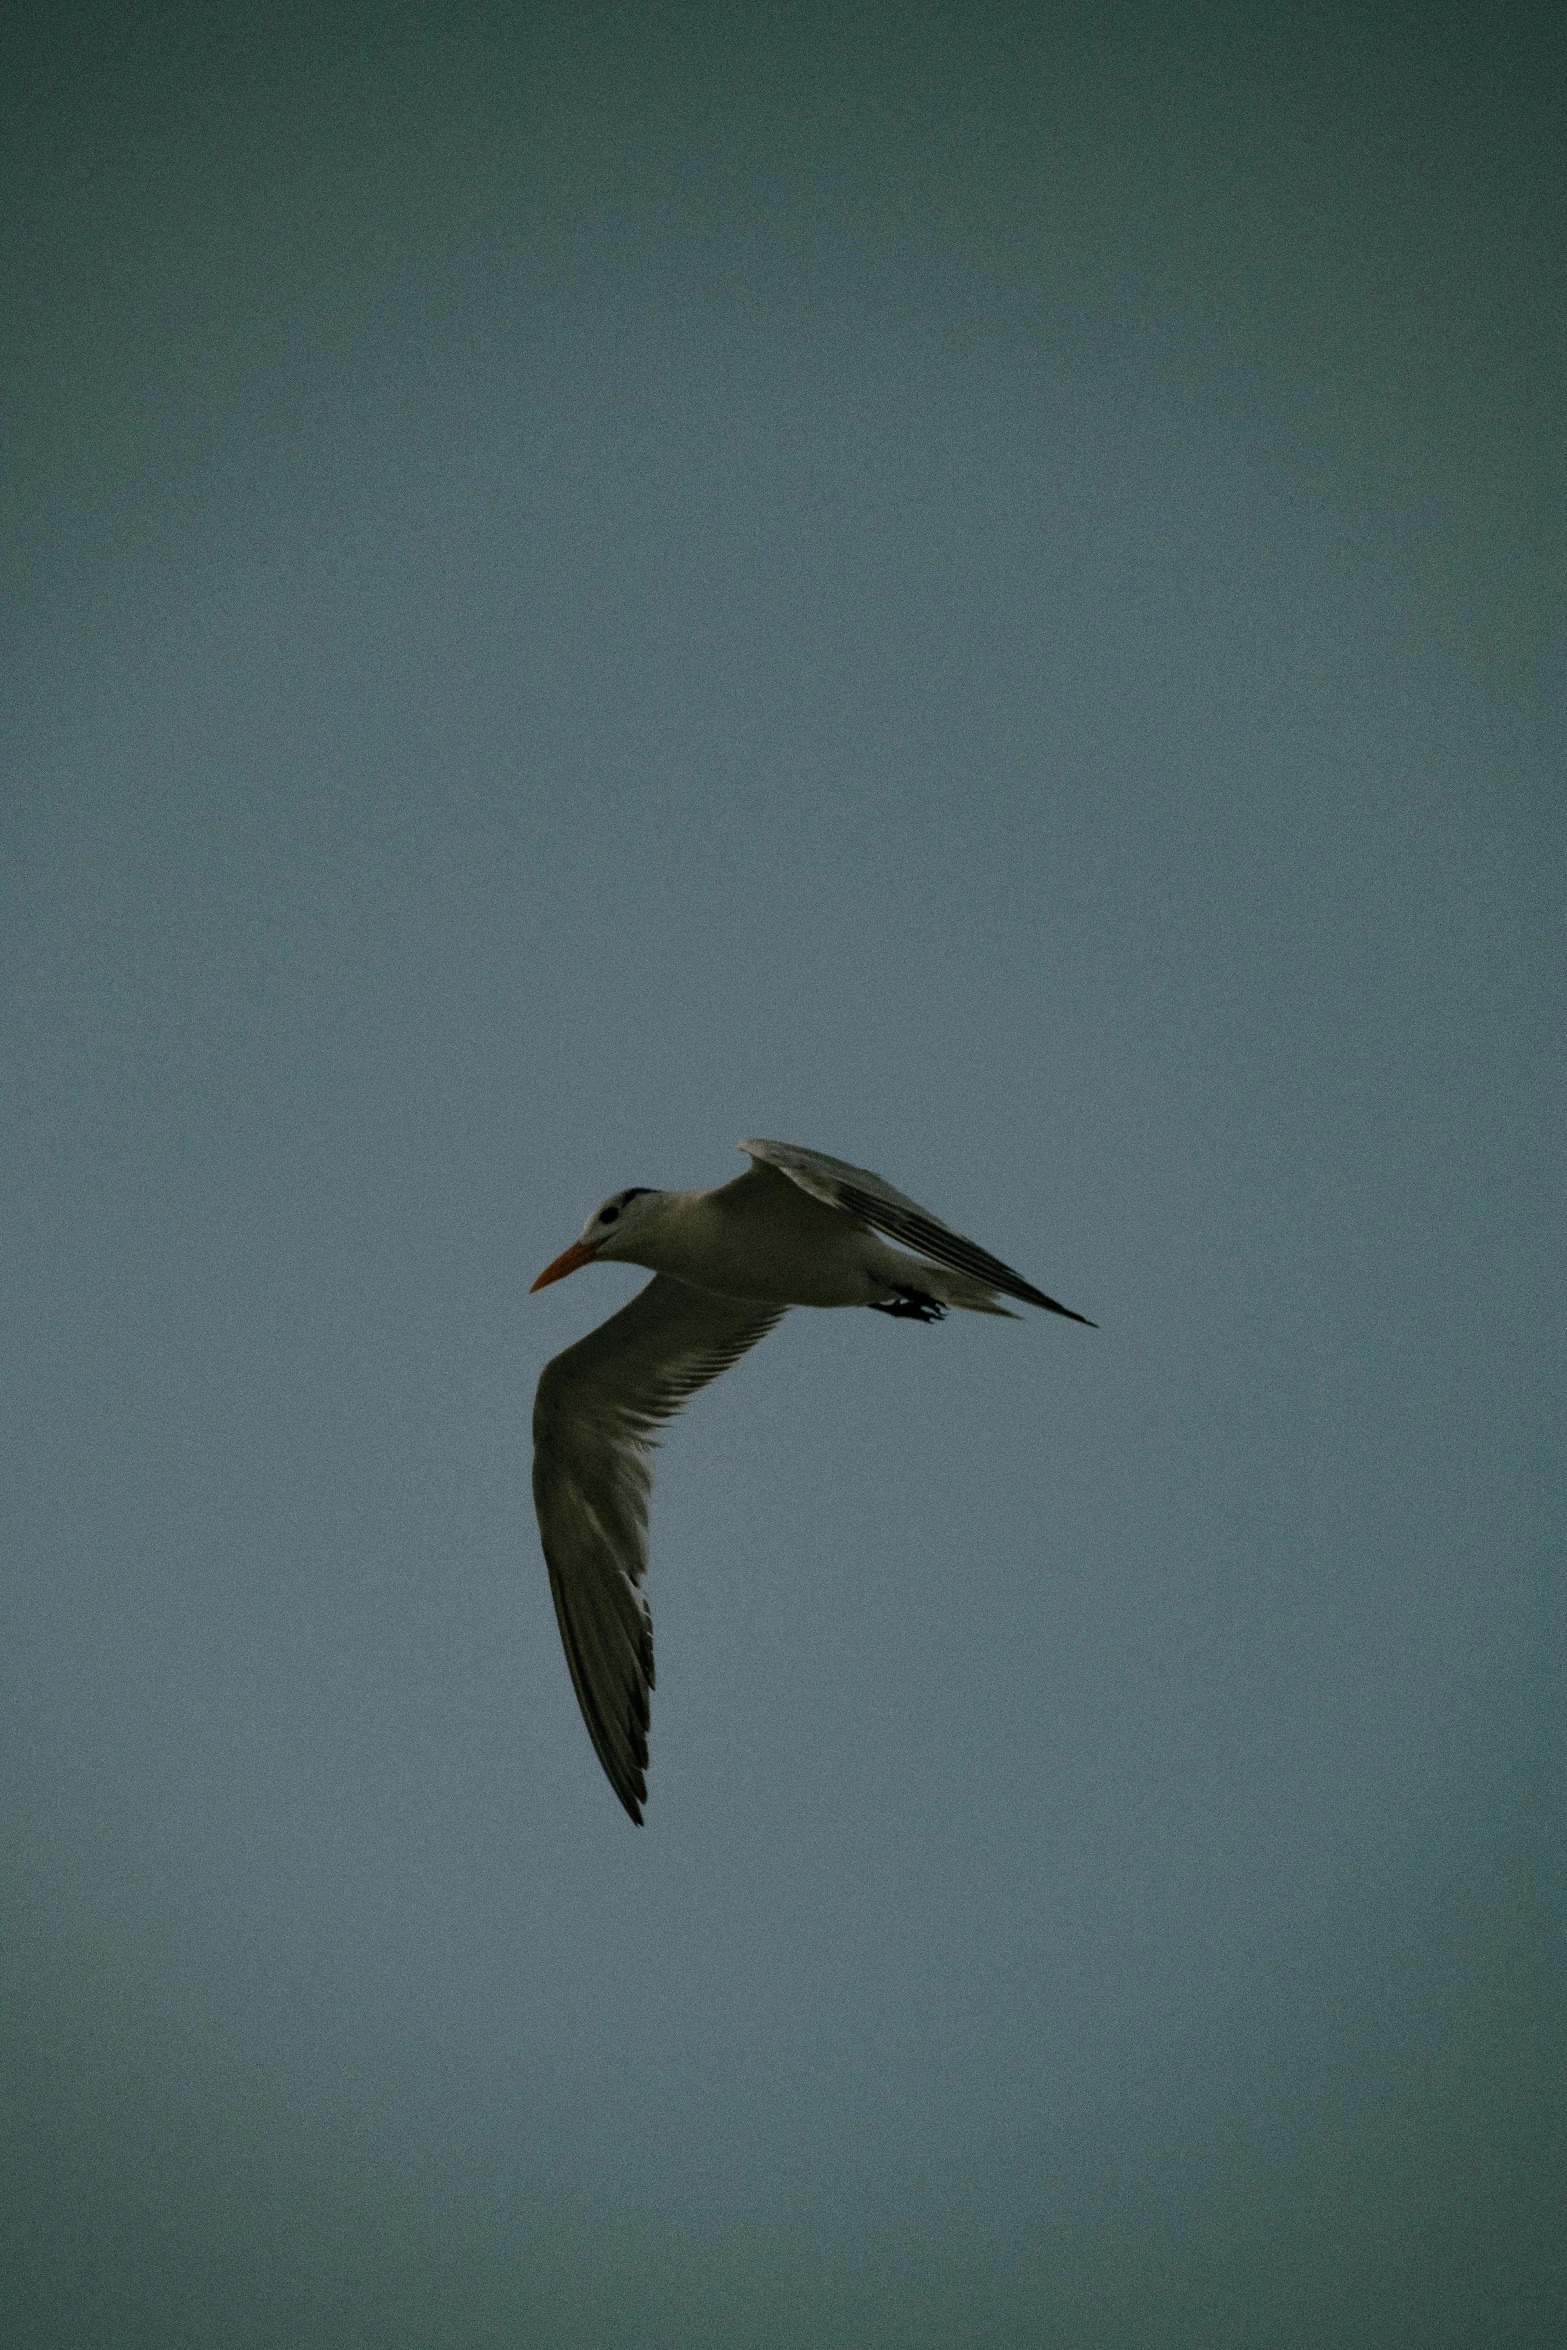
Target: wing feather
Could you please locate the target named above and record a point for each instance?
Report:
(595, 1419)
(857, 1192)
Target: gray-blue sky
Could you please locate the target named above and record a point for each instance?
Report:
(979, 590)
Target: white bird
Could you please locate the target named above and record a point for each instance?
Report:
(799, 1229)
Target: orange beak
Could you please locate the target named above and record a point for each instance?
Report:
(575, 1255)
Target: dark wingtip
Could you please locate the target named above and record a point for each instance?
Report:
(1037, 1298)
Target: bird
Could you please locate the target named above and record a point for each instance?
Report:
(797, 1229)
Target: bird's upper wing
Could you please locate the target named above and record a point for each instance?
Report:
(595, 1419)
(861, 1194)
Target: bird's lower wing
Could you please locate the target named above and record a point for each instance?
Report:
(859, 1193)
(595, 1418)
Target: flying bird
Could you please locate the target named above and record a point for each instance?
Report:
(798, 1229)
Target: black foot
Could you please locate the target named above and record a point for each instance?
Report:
(912, 1305)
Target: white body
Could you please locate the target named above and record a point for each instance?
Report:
(762, 1236)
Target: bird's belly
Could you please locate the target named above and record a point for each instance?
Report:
(809, 1258)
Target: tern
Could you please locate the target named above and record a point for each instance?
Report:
(798, 1229)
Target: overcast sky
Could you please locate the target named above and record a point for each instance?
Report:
(978, 589)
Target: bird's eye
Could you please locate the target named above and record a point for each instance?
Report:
(608, 1215)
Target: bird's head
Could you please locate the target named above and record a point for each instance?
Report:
(612, 1230)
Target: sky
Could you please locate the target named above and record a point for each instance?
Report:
(979, 589)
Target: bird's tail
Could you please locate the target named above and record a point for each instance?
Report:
(957, 1289)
